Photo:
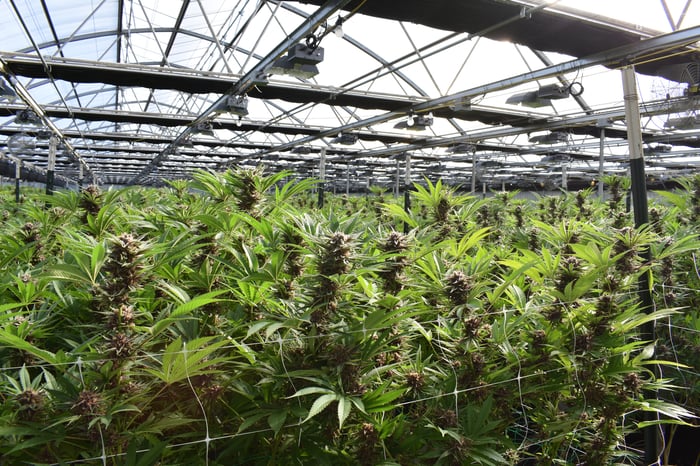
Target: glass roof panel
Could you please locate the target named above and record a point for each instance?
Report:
(374, 79)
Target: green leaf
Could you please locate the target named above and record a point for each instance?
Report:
(245, 350)
(13, 341)
(186, 308)
(276, 420)
(627, 323)
(469, 241)
(146, 456)
(417, 326)
(344, 407)
(667, 409)
(400, 214)
(250, 420)
(197, 302)
(646, 353)
(182, 362)
(7, 307)
(380, 399)
(320, 404)
(310, 391)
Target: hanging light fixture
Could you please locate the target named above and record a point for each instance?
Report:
(301, 150)
(233, 104)
(301, 60)
(338, 28)
(415, 122)
(27, 117)
(552, 137)
(346, 139)
(6, 91)
(462, 148)
(43, 133)
(686, 122)
(543, 96)
(204, 127)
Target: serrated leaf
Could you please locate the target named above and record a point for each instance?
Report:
(344, 407)
(13, 341)
(257, 327)
(320, 404)
(310, 391)
(196, 303)
(250, 420)
(399, 213)
(276, 420)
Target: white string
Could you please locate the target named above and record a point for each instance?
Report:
(454, 372)
(686, 329)
(578, 381)
(289, 377)
(364, 331)
(103, 457)
(297, 337)
(201, 406)
(409, 402)
(523, 408)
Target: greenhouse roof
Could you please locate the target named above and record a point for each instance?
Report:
(523, 93)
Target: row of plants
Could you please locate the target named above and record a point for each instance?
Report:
(226, 320)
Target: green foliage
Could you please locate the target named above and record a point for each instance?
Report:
(223, 321)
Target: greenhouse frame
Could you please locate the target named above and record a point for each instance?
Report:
(350, 232)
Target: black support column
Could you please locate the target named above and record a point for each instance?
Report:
(641, 217)
(18, 175)
(51, 167)
(321, 177)
(407, 190)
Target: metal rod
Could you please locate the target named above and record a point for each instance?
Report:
(407, 191)
(601, 164)
(564, 181)
(321, 177)
(636, 51)
(641, 218)
(347, 179)
(18, 175)
(397, 187)
(51, 165)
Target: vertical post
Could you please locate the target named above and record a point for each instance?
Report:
(321, 177)
(53, 142)
(601, 163)
(407, 190)
(483, 189)
(474, 157)
(347, 179)
(641, 217)
(18, 175)
(564, 180)
(397, 187)
(80, 177)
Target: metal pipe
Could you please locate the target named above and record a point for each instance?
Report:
(18, 175)
(397, 186)
(601, 164)
(347, 179)
(641, 218)
(628, 53)
(51, 165)
(321, 177)
(407, 190)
